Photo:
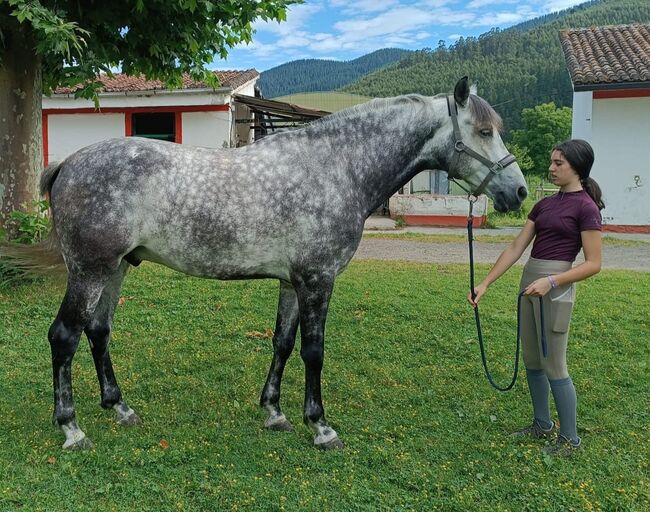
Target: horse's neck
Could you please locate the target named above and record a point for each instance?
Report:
(383, 148)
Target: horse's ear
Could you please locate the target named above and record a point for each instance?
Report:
(473, 89)
(461, 91)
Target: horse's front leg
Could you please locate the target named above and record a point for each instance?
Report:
(314, 292)
(284, 340)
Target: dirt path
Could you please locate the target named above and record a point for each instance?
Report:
(619, 257)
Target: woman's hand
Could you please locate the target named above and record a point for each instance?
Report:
(479, 291)
(539, 287)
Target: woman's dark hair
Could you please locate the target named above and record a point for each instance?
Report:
(580, 156)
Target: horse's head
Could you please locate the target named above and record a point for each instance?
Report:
(476, 152)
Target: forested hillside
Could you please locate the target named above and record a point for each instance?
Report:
(310, 75)
(516, 68)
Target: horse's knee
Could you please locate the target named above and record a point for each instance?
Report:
(64, 340)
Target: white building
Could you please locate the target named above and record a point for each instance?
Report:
(610, 71)
(195, 114)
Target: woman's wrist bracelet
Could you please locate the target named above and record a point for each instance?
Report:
(552, 281)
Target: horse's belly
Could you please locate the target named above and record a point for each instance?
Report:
(233, 263)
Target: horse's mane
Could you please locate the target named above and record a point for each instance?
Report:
(481, 111)
(415, 100)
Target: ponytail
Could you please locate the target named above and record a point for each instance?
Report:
(593, 189)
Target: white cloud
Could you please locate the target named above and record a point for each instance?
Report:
(557, 5)
(295, 40)
(363, 6)
(498, 19)
(297, 17)
(435, 3)
(477, 4)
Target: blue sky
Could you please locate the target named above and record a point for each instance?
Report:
(347, 29)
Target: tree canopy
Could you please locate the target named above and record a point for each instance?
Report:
(79, 39)
(545, 126)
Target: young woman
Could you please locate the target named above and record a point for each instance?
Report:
(560, 225)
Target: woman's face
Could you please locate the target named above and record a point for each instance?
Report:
(560, 171)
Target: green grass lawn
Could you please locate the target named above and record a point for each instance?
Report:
(403, 386)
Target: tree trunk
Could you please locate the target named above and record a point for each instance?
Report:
(21, 138)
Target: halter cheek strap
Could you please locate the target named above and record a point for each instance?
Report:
(494, 168)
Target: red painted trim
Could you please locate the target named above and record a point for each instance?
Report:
(123, 110)
(128, 124)
(622, 93)
(442, 220)
(622, 228)
(46, 142)
(178, 127)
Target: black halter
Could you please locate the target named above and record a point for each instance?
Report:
(460, 147)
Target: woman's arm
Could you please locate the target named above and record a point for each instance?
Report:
(592, 250)
(507, 259)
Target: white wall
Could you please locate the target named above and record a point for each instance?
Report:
(582, 114)
(69, 132)
(207, 129)
(435, 204)
(621, 140)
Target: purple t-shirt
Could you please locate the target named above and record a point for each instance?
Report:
(559, 220)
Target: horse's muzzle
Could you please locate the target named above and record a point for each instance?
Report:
(504, 202)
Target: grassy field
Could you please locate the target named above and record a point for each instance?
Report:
(403, 386)
(330, 101)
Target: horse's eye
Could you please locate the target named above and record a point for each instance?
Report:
(486, 132)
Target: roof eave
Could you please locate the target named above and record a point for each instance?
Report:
(610, 86)
(149, 92)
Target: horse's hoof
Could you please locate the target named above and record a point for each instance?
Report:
(281, 426)
(333, 444)
(126, 416)
(80, 444)
(129, 421)
(278, 423)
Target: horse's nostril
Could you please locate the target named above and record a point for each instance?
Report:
(522, 193)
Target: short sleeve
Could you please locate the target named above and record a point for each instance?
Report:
(589, 218)
(534, 212)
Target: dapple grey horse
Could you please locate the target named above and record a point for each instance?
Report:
(291, 206)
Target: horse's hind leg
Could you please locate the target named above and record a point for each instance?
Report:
(74, 314)
(99, 333)
(284, 340)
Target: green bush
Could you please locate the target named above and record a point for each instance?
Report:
(25, 228)
(29, 227)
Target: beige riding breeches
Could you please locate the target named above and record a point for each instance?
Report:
(558, 306)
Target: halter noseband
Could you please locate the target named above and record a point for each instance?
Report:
(460, 147)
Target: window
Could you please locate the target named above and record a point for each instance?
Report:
(159, 125)
(430, 182)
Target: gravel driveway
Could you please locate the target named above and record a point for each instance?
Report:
(620, 257)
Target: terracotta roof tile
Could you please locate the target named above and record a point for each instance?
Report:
(614, 54)
(126, 83)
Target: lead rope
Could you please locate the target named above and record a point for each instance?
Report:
(470, 236)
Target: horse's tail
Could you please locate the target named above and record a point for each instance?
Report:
(43, 258)
(47, 178)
